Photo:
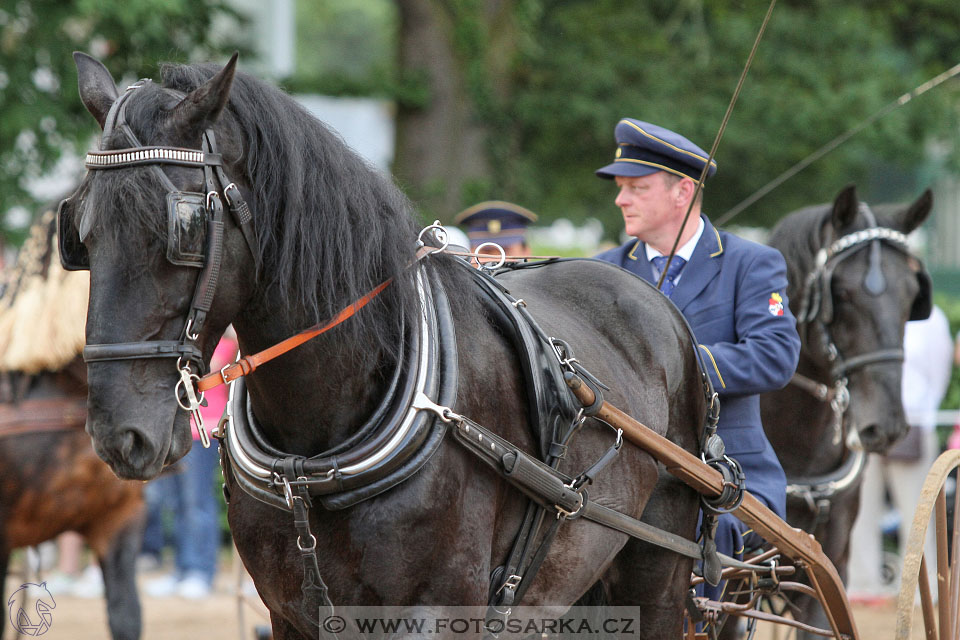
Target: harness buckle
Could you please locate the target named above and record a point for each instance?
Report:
(563, 513)
(422, 403)
(439, 232)
(511, 583)
(226, 194)
(186, 386)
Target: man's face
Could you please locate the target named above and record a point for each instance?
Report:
(649, 205)
(513, 249)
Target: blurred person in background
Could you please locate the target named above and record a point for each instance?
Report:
(498, 222)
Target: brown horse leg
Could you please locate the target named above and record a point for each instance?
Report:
(118, 563)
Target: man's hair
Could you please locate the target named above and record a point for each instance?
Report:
(670, 179)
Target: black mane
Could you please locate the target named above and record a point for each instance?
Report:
(330, 226)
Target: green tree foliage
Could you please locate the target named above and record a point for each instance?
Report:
(576, 66)
(822, 68)
(42, 115)
(344, 47)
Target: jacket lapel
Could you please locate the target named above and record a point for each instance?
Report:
(703, 267)
(635, 261)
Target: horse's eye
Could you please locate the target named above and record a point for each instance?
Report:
(843, 294)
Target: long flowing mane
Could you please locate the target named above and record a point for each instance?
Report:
(797, 237)
(331, 227)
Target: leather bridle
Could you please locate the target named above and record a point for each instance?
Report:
(817, 313)
(190, 362)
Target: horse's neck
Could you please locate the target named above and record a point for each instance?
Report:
(313, 397)
(802, 427)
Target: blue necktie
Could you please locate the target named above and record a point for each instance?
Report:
(675, 266)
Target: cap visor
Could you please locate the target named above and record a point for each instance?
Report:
(625, 169)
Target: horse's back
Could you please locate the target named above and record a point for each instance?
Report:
(617, 324)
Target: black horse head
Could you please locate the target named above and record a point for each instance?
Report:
(854, 285)
(325, 229)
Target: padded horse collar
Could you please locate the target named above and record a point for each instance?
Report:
(390, 447)
(215, 182)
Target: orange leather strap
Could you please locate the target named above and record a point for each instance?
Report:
(248, 364)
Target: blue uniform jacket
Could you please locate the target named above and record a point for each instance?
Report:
(733, 294)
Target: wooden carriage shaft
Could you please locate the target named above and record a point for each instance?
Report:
(795, 544)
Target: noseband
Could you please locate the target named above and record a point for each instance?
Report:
(186, 212)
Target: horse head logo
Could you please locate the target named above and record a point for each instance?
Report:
(28, 625)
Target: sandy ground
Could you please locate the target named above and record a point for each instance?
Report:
(222, 616)
(225, 616)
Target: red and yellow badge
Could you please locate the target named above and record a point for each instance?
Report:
(776, 304)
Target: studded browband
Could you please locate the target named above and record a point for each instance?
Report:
(122, 158)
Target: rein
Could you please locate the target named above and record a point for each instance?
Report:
(248, 364)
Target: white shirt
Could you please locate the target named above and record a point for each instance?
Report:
(927, 362)
(685, 252)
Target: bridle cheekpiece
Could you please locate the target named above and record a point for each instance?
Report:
(194, 239)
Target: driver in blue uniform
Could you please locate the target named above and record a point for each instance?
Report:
(732, 292)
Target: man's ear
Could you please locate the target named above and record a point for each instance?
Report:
(686, 187)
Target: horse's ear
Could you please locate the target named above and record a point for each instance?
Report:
(203, 105)
(97, 88)
(845, 208)
(917, 212)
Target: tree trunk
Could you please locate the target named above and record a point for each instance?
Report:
(442, 159)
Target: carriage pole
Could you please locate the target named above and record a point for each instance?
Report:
(796, 544)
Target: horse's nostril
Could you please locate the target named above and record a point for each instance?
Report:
(871, 436)
(129, 442)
